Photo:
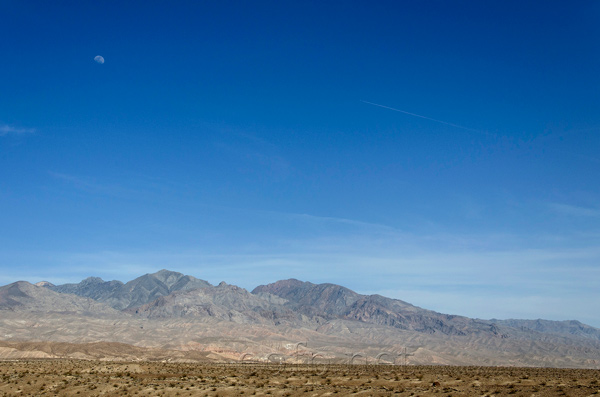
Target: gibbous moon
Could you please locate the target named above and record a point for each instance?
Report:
(99, 59)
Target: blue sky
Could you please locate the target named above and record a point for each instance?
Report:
(442, 153)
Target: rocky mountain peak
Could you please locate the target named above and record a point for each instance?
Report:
(139, 291)
(12, 294)
(282, 287)
(92, 280)
(168, 277)
(44, 284)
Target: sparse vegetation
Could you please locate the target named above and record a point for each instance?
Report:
(97, 378)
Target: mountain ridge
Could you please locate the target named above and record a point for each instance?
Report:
(136, 292)
(171, 311)
(340, 302)
(27, 297)
(323, 302)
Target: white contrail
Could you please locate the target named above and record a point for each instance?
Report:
(428, 118)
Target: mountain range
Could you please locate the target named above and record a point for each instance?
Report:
(186, 318)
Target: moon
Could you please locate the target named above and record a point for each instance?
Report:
(99, 59)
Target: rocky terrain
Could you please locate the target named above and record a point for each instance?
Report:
(168, 315)
(332, 301)
(136, 292)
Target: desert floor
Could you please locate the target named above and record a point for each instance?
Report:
(98, 378)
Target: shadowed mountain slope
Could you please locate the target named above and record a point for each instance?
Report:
(223, 302)
(134, 293)
(334, 301)
(25, 297)
(565, 328)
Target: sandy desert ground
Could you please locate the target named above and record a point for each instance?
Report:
(98, 378)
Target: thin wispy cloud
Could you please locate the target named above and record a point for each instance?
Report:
(92, 186)
(430, 119)
(344, 221)
(574, 210)
(6, 129)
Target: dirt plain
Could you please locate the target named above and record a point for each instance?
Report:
(101, 378)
